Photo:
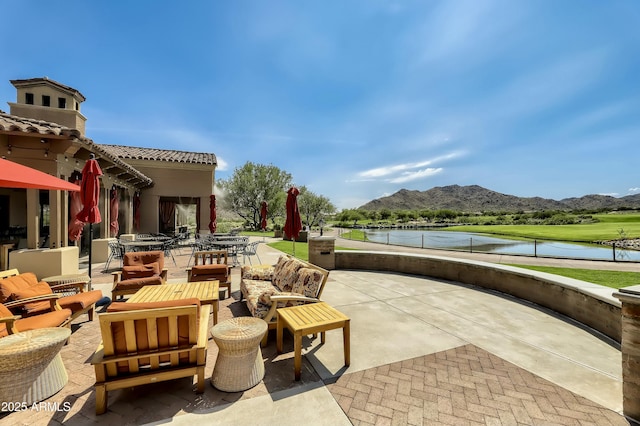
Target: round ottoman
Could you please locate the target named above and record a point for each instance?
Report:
(31, 368)
(239, 365)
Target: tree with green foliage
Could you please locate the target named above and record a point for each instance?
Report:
(386, 214)
(252, 184)
(350, 215)
(313, 207)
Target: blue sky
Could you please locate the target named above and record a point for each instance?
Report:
(357, 99)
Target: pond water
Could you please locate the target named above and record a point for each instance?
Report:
(466, 241)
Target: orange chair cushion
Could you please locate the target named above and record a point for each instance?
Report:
(78, 302)
(143, 258)
(49, 319)
(4, 313)
(23, 286)
(9, 285)
(140, 271)
(210, 269)
(38, 289)
(210, 272)
(137, 283)
(126, 306)
(162, 332)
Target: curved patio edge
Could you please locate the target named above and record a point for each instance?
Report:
(590, 304)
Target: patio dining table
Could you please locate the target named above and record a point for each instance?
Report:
(141, 245)
(233, 247)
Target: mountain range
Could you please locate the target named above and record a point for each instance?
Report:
(474, 198)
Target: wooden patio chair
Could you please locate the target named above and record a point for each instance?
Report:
(145, 343)
(211, 265)
(139, 269)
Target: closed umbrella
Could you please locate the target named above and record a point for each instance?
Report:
(263, 216)
(293, 224)
(213, 220)
(136, 211)
(114, 206)
(90, 194)
(75, 206)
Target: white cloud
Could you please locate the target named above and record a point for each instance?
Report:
(634, 190)
(384, 171)
(403, 171)
(410, 176)
(222, 164)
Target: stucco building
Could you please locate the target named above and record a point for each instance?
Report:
(45, 130)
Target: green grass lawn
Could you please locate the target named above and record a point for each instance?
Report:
(613, 279)
(608, 228)
(302, 249)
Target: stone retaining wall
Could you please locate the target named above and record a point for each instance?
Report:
(587, 303)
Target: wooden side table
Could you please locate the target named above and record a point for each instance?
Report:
(31, 368)
(308, 319)
(70, 279)
(239, 365)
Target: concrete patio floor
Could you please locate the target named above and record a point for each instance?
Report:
(423, 351)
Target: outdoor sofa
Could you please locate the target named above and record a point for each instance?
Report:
(15, 286)
(289, 282)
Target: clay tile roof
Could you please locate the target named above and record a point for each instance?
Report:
(13, 123)
(173, 156)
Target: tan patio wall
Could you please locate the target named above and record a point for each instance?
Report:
(587, 303)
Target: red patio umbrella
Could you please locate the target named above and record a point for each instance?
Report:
(114, 206)
(293, 224)
(263, 216)
(75, 206)
(14, 175)
(136, 211)
(213, 221)
(90, 193)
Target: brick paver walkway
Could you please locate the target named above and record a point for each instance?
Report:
(462, 386)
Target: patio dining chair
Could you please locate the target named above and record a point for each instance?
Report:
(167, 247)
(211, 265)
(116, 251)
(249, 250)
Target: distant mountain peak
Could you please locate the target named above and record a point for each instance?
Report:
(474, 198)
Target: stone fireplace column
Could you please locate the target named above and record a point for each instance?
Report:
(630, 298)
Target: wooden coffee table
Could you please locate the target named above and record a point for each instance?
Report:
(308, 319)
(206, 291)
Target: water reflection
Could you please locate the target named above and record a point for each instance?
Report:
(467, 241)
